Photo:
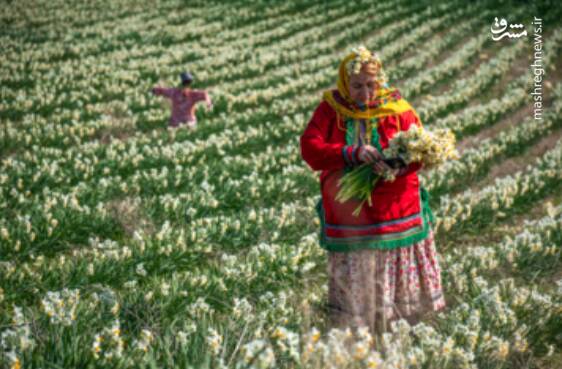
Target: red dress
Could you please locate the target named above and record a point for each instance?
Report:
(383, 265)
(400, 213)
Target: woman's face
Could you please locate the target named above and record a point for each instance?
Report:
(362, 87)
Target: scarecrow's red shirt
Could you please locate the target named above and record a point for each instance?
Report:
(396, 217)
(183, 103)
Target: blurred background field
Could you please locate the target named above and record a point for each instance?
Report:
(127, 244)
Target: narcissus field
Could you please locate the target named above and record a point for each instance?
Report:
(128, 244)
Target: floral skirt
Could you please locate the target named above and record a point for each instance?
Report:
(372, 287)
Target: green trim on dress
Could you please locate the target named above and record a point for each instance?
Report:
(375, 138)
(402, 239)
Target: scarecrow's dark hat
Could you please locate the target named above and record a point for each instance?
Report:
(186, 77)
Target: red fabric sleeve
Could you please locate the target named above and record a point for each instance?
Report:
(162, 91)
(319, 154)
(200, 95)
(406, 120)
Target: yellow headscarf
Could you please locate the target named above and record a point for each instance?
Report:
(387, 100)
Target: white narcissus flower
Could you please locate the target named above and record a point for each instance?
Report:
(140, 270)
(146, 338)
(374, 360)
(61, 306)
(214, 340)
(363, 55)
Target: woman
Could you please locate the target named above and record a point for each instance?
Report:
(183, 101)
(382, 265)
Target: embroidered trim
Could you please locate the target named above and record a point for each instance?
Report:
(375, 138)
(378, 225)
(345, 157)
(349, 131)
(354, 155)
(402, 239)
(377, 237)
(356, 131)
(352, 137)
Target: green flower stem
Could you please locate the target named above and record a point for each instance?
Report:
(358, 184)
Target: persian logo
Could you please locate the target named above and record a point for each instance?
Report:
(499, 30)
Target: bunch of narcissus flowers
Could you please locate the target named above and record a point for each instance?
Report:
(414, 145)
(431, 148)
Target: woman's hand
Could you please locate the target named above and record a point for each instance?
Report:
(369, 154)
(380, 167)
